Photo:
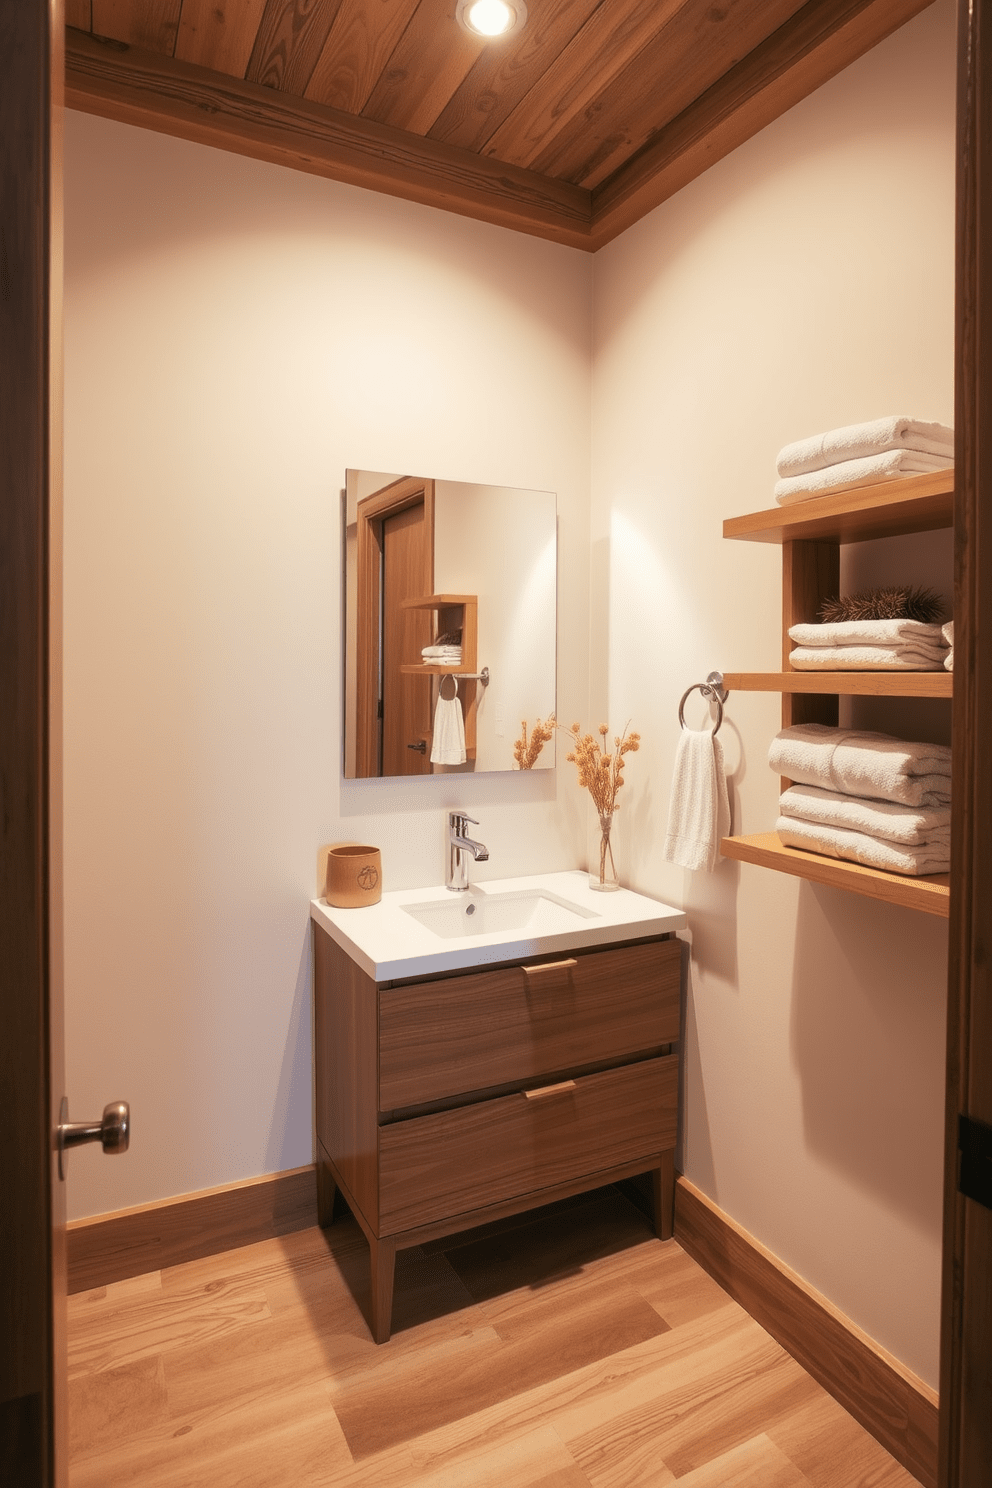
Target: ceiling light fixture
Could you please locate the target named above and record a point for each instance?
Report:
(491, 18)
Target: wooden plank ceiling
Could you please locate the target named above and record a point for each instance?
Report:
(572, 128)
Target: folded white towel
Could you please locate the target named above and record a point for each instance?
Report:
(442, 653)
(856, 847)
(448, 743)
(858, 763)
(855, 441)
(869, 633)
(699, 814)
(906, 825)
(868, 645)
(948, 630)
(867, 658)
(849, 474)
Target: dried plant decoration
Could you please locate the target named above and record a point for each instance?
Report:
(895, 602)
(526, 751)
(601, 773)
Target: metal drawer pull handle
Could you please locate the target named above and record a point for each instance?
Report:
(546, 1090)
(549, 966)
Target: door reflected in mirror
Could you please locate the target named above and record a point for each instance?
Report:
(450, 624)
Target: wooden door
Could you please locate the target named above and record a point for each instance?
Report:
(966, 1332)
(407, 568)
(32, 1207)
(381, 622)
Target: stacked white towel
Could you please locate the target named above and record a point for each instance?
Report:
(908, 825)
(855, 762)
(867, 798)
(862, 455)
(443, 655)
(869, 645)
(948, 634)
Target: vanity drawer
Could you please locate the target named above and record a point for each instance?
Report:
(465, 1033)
(436, 1167)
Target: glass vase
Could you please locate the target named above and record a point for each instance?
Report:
(602, 868)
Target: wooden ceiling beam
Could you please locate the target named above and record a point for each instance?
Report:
(818, 42)
(174, 97)
(178, 97)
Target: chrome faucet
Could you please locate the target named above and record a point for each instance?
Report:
(459, 847)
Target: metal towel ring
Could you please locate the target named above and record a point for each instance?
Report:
(447, 677)
(710, 691)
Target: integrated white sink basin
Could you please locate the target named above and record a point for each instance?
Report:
(537, 911)
(420, 932)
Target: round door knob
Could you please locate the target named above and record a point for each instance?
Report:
(115, 1128)
(112, 1131)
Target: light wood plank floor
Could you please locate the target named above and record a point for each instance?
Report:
(566, 1349)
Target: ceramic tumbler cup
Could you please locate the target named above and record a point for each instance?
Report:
(354, 876)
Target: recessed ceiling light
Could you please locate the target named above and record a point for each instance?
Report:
(491, 18)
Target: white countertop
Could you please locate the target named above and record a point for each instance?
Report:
(388, 943)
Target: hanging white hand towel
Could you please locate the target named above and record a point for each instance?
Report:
(699, 814)
(448, 744)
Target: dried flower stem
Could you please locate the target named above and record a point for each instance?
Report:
(604, 848)
(601, 770)
(526, 752)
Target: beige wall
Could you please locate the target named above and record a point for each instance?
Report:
(501, 545)
(803, 283)
(237, 336)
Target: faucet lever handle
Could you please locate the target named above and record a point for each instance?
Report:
(458, 820)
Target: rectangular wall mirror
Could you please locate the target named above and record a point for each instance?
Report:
(450, 624)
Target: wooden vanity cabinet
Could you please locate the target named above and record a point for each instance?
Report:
(446, 1102)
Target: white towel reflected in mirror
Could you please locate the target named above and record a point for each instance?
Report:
(448, 743)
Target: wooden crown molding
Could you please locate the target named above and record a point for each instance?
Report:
(158, 92)
(817, 43)
(887, 1399)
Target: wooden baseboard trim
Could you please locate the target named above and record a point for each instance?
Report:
(889, 1400)
(129, 1242)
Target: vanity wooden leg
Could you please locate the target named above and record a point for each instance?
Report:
(664, 1196)
(327, 1192)
(383, 1258)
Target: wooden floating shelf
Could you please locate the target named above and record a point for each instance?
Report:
(931, 894)
(438, 601)
(919, 503)
(847, 684)
(432, 669)
(454, 612)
